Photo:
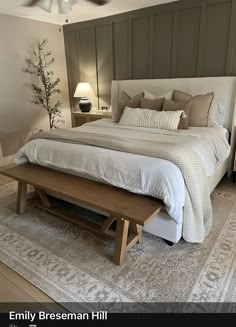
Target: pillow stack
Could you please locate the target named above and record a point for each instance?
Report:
(188, 110)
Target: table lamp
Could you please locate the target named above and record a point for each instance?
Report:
(84, 91)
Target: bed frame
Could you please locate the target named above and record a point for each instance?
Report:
(224, 89)
(162, 224)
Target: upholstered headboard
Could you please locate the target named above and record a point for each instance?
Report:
(224, 89)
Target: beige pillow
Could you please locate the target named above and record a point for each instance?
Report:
(179, 105)
(200, 107)
(167, 95)
(155, 104)
(126, 100)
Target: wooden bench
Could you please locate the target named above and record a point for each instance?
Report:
(131, 211)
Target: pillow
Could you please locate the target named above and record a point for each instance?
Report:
(126, 100)
(155, 104)
(151, 118)
(200, 106)
(167, 95)
(216, 114)
(179, 105)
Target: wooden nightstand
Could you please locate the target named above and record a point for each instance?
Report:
(81, 118)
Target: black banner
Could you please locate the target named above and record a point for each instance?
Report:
(100, 314)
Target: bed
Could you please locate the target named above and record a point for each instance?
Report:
(168, 224)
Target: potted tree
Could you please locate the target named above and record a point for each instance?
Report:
(44, 86)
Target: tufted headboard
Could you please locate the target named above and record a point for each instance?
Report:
(224, 89)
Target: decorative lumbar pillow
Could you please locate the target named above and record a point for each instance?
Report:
(200, 107)
(167, 95)
(216, 114)
(126, 100)
(179, 105)
(151, 118)
(155, 104)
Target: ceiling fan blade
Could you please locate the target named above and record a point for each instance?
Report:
(99, 2)
(64, 6)
(46, 5)
(43, 4)
(32, 3)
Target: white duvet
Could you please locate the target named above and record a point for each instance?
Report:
(139, 174)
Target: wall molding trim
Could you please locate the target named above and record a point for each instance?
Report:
(186, 38)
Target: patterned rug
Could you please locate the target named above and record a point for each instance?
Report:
(73, 265)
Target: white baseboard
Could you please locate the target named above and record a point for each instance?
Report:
(6, 161)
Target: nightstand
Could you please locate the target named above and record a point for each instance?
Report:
(234, 170)
(81, 118)
(233, 149)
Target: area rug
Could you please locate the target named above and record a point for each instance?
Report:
(72, 265)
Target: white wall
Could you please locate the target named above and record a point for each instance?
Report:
(19, 117)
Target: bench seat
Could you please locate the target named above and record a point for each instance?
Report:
(131, 211)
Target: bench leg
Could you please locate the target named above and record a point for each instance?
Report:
(43, 197)
(120, 241)
(21, 198)
(136, 230)
(107, 224)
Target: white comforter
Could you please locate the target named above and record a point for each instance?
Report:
(140, 174)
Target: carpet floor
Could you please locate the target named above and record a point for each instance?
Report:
(73, 265)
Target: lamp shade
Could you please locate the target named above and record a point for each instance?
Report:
(83, 90)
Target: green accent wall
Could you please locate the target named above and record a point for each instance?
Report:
(186, 38)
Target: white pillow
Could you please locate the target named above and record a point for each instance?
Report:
(167, 95)
(151, 118)
(216, 114)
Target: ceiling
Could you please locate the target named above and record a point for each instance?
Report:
(81, 11)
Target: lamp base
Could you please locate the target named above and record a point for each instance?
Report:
(85, 105)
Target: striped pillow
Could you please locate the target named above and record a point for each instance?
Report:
(151, 118)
